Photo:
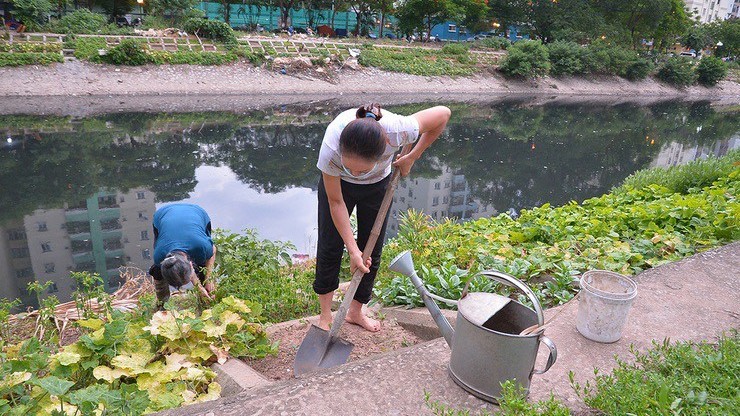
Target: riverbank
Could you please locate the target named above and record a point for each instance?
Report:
(79, 79)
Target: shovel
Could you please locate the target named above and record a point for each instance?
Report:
(324, 349)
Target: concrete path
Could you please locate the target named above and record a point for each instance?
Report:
(694, 299)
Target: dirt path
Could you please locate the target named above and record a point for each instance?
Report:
(75, 78)
(391, 337)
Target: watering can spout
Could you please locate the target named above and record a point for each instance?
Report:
(404, 264)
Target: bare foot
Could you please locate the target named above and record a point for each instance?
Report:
(364, 321)
(324, 322)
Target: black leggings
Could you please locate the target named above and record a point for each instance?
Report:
(330, 248)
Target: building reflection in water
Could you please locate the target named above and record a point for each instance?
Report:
(98, 235)
(446, 196)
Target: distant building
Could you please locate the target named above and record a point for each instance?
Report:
(735, 11)
(710, 10)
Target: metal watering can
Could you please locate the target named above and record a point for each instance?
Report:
(486, 346)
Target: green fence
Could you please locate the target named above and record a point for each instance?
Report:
(244, 15)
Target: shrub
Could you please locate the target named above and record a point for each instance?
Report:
(31, 12)
(609, 60)
(128, 52)
(527, 59)
(211, 29)
(81, 21)
(87, 48)
(711, 70)
(455, 49)
(638, 69)
(29, 58)
(677, 71)
(566, 58)
(494, 43)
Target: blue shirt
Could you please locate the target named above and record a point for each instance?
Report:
(183, 227)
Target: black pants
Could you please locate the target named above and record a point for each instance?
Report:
(330, 248)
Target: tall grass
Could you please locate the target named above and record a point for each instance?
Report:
(681, 178)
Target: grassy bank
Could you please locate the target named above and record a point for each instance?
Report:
(657, 216)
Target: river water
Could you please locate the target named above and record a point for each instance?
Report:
(80, 193)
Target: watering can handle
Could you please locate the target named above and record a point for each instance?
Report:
(552, 356)
(513, 281)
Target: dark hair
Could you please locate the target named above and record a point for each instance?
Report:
(364, 137)
(176, 268)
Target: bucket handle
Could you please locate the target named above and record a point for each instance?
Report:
(552, 356)
(513, 281)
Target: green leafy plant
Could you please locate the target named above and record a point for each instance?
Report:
(513, 402)
(638, 226)
(87, 48)
(128, 52)
(711, 70)
(497, 43)
(566, 58)
(261, 271)
(677, 71)
(455, 49)
(683, 378)
(638, 69)
(6, 307)
(526, 59)
(211, 29)
(696, 174)
(29, 58)
(131, 363)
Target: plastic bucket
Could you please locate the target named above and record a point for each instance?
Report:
(604, 303)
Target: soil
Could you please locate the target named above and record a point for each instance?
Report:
(392, 336)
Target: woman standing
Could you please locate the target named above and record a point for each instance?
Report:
(355, 160)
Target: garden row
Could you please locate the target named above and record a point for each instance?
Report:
(656, 217)
(530, 59)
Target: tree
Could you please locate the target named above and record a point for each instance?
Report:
(423, 15)
(673, 24)
(696, 38)
(174, 8)
(727, 32)
(471, 14)
(508, 12)
(638, 18)
(285, 6)
(365, 13)
(115, 8)
(543, 18)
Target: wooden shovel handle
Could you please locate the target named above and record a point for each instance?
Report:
(369, 246)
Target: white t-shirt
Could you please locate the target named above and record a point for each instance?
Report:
(401, 131)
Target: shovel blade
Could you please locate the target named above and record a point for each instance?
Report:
(318, 351)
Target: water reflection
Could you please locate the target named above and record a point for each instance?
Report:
(79, 194)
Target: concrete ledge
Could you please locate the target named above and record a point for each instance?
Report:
(235, 376)
(418, 320)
